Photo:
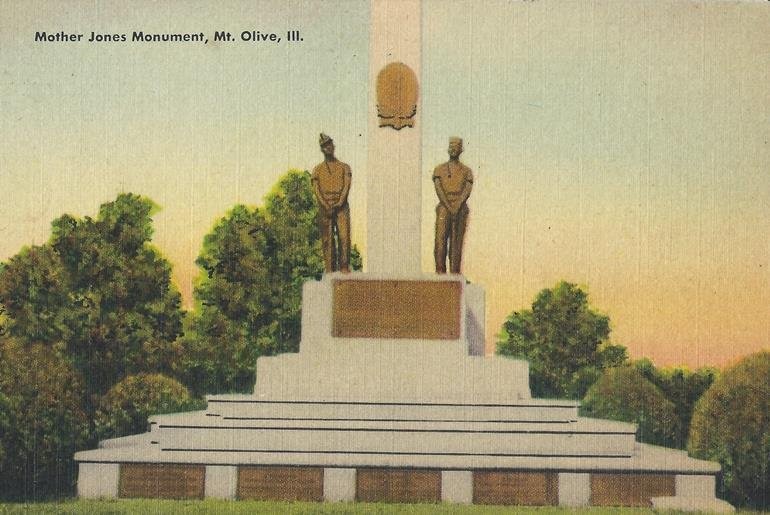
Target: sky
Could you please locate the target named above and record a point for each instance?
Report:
(621, 146)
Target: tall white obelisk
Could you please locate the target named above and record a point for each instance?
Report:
(394, 163)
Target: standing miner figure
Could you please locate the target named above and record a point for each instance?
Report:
(454, 182)
(331, 184)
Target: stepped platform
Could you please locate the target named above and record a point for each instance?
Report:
(409, 411)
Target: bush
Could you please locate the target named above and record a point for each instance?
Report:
(681, 386)
(624, 394)
(42, 420)
(731, 424)
(124, 409)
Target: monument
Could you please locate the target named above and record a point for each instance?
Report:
(390, 397)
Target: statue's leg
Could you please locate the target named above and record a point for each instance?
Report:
(442, 233)
(459, 222)
(335, 244)
(327, 238)
(343, 233)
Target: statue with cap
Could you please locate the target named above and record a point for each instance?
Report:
(331, 183)
(454, 182)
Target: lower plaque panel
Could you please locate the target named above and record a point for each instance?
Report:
(281, 483)
(398, 485)
(630, 489)
(161, 481)
(428, 310)
(509, 487)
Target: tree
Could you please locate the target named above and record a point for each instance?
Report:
(565, 342)
(680, 386)
(248, 300)
(124, 409)
(623, 393)
(99, 293)
(731, 424)
(43, 421)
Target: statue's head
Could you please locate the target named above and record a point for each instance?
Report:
(327, 145)
(455, 146)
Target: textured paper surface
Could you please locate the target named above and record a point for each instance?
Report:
(619, 145)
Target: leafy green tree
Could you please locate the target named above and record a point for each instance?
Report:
(249, 296)
(42, 419)
(566, 343)
(731, 424)
(682, 387)
(623, 393)
(99, 293)
(124, 409)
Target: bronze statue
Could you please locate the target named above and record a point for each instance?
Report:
(331, 184)
(454, 182)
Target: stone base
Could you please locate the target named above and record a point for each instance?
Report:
(393, 369)
(393, 418)
(409, 485)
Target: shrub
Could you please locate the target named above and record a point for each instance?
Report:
(681, 386)
(124, 409)
(731, 424)
(624, 394)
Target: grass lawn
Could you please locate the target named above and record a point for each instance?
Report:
(215, 506)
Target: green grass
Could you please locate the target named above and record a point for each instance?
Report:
(226, 507)
(154, 506)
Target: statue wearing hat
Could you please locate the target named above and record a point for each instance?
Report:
(331, 184)
(454, 182)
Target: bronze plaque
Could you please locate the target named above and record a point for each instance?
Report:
(161, 481)
(281, 483)
(428, 310)
(508, 487)
(398, 485)
(609, 489)
(396, 96)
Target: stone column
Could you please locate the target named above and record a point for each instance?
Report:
(696, 486)
(574, 489)
(339, 485)
(394, 164)
(98, 480)
(221, 481)
(457, 486)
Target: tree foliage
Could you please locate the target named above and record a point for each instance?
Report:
(99, 293)
(731, 424)
(42, 419)
(124, 409)
(623, 393)
(566, 343)
(682, 387)
(253, 264)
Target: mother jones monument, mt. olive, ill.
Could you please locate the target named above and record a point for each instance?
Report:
(390, 397)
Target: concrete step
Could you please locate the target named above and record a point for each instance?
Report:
(248, 407)
(216, 434)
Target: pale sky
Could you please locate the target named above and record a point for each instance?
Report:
(620, 145)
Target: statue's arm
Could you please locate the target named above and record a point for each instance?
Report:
(467, 188)
(347, 180)
(441, 194)
(317, 193)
